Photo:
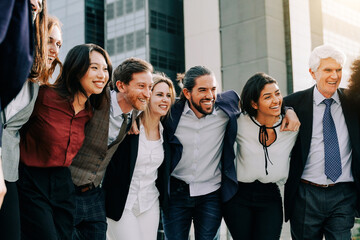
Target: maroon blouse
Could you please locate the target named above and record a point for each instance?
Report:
(54, 134)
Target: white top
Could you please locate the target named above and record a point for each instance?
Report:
(250, 155)
(202, 141)
(116, 118)
(143, 192)
(315, 165)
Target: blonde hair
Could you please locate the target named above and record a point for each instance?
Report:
(158, 77)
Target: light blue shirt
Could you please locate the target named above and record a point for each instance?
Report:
(202, 141)
(315, 165)
(116, 118)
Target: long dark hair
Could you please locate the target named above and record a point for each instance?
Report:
(75, 66)
(251, 92)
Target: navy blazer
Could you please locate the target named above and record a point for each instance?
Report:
(16, 47)
(119, 174)
(228, 102)
(302, 102)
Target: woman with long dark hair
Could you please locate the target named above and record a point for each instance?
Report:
(52, 137)
(262, 162)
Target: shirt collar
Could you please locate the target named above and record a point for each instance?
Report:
(115, 108)
(188, 110)
(318, 97)
(161, 130)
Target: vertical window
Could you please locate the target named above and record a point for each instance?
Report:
(110, 11)
(110, 47)
(129, 6)
(140, 4)
(120, 44)
(140, 38)
(119, 8)
(129, 41)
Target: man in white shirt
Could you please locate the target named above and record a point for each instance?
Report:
(323, 183)
(201, 131)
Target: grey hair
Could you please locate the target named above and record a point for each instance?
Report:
(323, 52)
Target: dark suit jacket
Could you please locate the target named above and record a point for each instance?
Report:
(302, 102)
(16, 47)
(228, 102)
(119, 174)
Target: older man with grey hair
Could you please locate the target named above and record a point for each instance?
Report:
(323, 184)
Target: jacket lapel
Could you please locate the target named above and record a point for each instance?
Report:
(305, 115)
(134, 144)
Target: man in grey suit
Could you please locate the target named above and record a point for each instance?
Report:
(132, 82)
(323, 184)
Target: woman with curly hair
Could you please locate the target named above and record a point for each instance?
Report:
(17, 113)
(354, 83)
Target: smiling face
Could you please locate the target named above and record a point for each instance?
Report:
(160, 100)
(327, 76)
(36, 8)
(269, 103)
(137, 93)
(97, 74)
(203, 95)
(54, 45)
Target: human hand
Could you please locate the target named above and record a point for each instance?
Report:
(134, 129)
(2, 185)
(290, 122)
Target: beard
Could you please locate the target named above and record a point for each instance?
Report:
(200, 109)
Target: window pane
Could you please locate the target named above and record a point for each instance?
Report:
(140, 38)
(120, 44)
(129, 41)
(119, 8)
(110, 11)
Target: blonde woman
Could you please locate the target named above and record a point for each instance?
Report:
(136, 178)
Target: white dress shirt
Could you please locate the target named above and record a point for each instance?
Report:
(202, 141)
(250, 156)
(116, 118)
(315, 165)
(143, 192)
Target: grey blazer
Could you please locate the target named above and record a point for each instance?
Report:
(10, 150)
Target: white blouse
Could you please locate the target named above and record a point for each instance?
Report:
(143, 192)
(250, 155)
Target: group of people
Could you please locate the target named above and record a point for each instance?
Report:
(103, 154)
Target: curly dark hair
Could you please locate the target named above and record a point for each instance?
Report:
(354, 82)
